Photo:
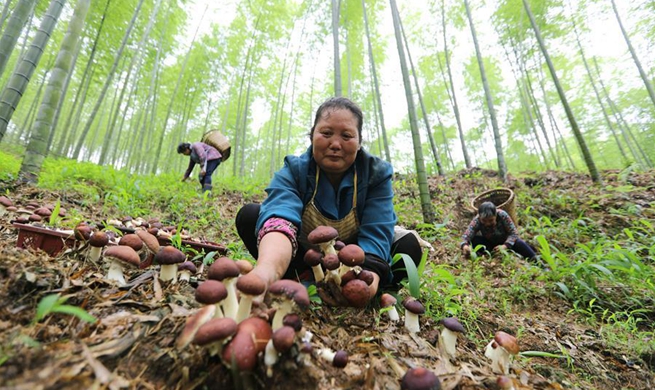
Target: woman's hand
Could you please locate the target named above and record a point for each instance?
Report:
(466, 250)
(500, 249)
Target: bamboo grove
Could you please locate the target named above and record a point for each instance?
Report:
(510, 85)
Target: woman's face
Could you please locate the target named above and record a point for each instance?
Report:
(488, 222)
(335, 140)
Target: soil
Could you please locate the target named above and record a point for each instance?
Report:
(132, 343)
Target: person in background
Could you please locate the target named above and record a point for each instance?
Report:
(208, 157)
(335, 183)
(494, 229)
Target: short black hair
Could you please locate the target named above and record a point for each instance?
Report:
(486, 210)
(335, 103)
(183, 146)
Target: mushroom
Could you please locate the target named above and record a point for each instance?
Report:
(82, 231)
(169, 257)
(351, 256)
(324, 237)
(419, 378)
(499, 350)
(119, 256)
(389, 301)
(505, 383)
(413, 309)
(151, 247)
(293, 320)
(281, 341)
(338, 359)
(226, 270)
(448, 339)
(331, 263)
(193, 323)
(213, 334)
(366, 276)
(356, 293)
(4, 203)
(186, 269)
(212, 292)
(132, 240)
(287, 294)
(313, 259)
(250, 286)
(97, 241)
(251, 338)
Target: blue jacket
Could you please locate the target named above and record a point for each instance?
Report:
(293, 185)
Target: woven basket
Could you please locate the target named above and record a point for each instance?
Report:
(503, 198)
(216, 139)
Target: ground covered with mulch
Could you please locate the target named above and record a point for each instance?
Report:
(133, 342)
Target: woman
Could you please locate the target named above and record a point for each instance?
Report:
(208, 157)
(495, 231)
(335, 182)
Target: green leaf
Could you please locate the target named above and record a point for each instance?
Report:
(45, 306)
(412, 274)
(75, 311)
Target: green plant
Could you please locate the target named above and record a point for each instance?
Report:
(54, 303)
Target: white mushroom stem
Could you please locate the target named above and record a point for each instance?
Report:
(393, 313)
(230, 303)
(270, 357)
(449, 342)
(284, 307)
(327, 354)
(168, 272)
(245, 305)
(219, 312)
(411, 322)
(116, 272)
(185, 275)
(94, 253)
(499, 358)
(318, 273)
(328, 247)
(215, 348)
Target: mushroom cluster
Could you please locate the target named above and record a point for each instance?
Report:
(342, 263)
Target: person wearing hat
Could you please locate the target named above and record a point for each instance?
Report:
(207, 156)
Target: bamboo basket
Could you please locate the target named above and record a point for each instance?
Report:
(216, 139)
(503, 198)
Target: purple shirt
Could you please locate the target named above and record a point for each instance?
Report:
(504, 231)
(200, 154)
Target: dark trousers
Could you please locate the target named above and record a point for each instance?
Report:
(206, 180)
(246, 221)
(520, 246)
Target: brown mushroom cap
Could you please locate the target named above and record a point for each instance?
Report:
(251, 284)
(99, 239)
(193, 323)
(331, 261)
(284, 338)
(293, 320)
(340, 359)
(507, 341)
(149, 240)
(187, 266)
(132, 240)
(413, 306)
(123, 253)
(452, 324)
(356, 293)
(322, 234)
(168, 255)
(215, 329)
(348, 276)
(210, 292)
(223, 268)
(366, 276)
(35, 218)
(5, 201)
(419, 378)
(251, 338)
(43, 212)
(82, 232)
(291, 290)
(312, 257)
(387, 300)
(352, 255)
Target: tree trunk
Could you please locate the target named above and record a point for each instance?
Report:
(15, 25)
(17, 84)
(37, 147)
(502, 167)
(376, 85)
(426, 204)
(591, 166)
(467, 160)
(337, 58)
(108, 80)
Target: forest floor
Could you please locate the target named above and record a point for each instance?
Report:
(132, 344)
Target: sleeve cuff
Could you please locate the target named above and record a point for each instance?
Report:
(283, 226)
(379, 266)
